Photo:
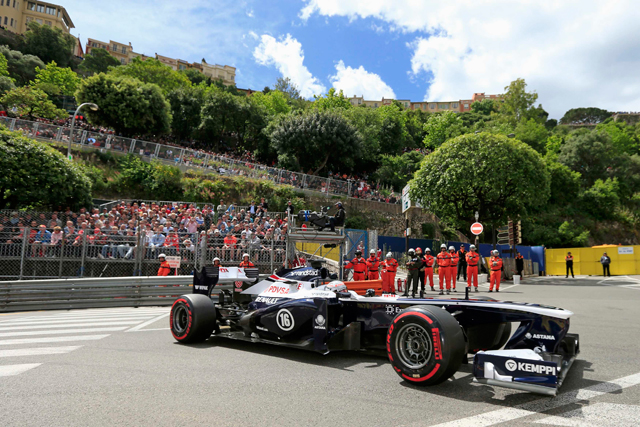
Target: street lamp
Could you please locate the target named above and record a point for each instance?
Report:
(92, 107)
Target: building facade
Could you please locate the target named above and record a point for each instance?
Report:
(124, 53)
(15, 15)
(459, 106)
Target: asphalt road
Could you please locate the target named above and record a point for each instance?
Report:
(122, 367)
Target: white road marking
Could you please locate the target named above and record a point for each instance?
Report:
(61, 331)
(142, 325)
(52, 339)
(20, 352)
(597, 415)
(8, 370)
(50, 322)
(86, 315)
(68, 325)
(153, 329)
(542, 405)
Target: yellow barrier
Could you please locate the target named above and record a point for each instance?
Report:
(311, 248)
(586, 261)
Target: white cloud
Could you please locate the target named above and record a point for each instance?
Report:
(287, 55)
(574, 53)
(360, 82)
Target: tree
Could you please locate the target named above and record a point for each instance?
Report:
(127, 105)
(37, 176)
(6, 84)
(4, 66)
(274, 101)
(565, 183)
(49, 44)
(186, 105)
(398, 170)
(622, 136)
(63, 78)
(98, 61)
(152, 71)
(393, 134)
(601, 200)
(331, 101)
(415, 127)
(585, 116)
(368, 123)
(533, 134)
(286, 86)
(21, 67)
(497, 176)
(196, 77)
(592, 154)
(220, 117)
(440, 127)
(315, 141)
(518, 103)
(485, 107)
(31, 102)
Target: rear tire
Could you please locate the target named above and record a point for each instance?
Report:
(425, 345)
(192, 318)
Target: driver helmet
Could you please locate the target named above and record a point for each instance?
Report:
(389, 255)
(451, 248)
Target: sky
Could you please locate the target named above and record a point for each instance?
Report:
(573, 53)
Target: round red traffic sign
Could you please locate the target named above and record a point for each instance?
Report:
(477, 228)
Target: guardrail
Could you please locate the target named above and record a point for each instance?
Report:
(62, 294)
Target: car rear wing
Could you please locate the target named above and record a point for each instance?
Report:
(236, 278)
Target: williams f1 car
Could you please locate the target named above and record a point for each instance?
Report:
(426, 340)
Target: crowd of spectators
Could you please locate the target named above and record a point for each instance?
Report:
(226, 232)
(242, 163)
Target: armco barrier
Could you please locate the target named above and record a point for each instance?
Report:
(61, 294)
(625, 260)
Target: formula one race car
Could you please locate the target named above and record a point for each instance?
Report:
(426, 340)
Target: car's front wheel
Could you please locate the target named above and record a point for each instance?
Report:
(192, 318)
(425, 345)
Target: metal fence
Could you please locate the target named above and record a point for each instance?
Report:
(194, 158)
(29, 253)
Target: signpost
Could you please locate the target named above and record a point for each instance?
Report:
(477, 228)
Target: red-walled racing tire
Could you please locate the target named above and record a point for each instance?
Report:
(192, 318)
(425, 345)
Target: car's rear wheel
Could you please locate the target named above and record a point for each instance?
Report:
(192, 318)
(425, 345)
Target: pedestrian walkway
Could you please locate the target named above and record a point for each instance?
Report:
(31, 337)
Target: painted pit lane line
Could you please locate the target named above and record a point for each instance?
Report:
(541, 405)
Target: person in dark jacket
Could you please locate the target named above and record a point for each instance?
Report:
(462, 264)
(569, 261)
(606, 262)
(519, 264)
(338, 218)
(413, 278)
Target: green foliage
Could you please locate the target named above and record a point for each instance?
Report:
(63, 78)
(601, 200)
(592, 154)
(31, 102)
(290, 90)
(565, 183)
(21, 67)
(585, 116)
(196, 77)
(533, 134)
(356, 221)
(553, 144)
(186, 104)
(497, 176)
(149, 180)
(127, 105)
(274, 102)
(37, 176)
(4, 66)
(572, 236)
(49, 44)
(393, 134)
(518, 103)
(397, 171)
(623, 136)
(315, 141)
(98, 61)
(485, 107)
(441, 127)
(414, 125)
(152, 71)
(331, 101)
(6, 84)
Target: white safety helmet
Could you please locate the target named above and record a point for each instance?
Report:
(245, 255)
(451, 248)
(495, 252)
(372, 252)
(427, 249)
(216, 259)
(162, 256)
(443, 246)
(389, 255)
(472, 247)
(411, 251)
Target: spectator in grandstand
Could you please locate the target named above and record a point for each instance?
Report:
(289, 209)
(157, 240)
(42, 239)
(263, 204)
(171, 243)
(127, 245)
(230, 245)
(110, 244)
(56, 242)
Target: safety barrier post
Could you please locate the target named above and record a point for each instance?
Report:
(25, 238)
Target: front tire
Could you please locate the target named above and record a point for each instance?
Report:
(425, 345)
(192, 318)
